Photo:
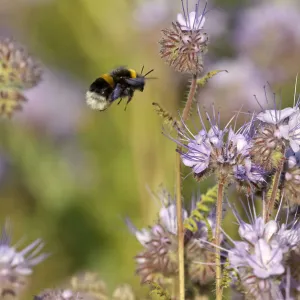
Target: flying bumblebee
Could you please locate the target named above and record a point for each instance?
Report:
(118, 84)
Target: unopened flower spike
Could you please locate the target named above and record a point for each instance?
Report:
(183, 45)
(18, 72)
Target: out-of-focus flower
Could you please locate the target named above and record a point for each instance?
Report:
(16, 265)
(18, 72)
(223, 152)
(123, 292)
(87, 286)
(272, 41)
(56, 90)
(64, 295)
(151, 12)
(233, 90)
(183, 45)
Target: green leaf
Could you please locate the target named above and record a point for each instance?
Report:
(203, 80)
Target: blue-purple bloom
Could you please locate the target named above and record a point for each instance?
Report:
(286, 123)
(19, 262)
(224, 152)
(260, 259)
(16, 265)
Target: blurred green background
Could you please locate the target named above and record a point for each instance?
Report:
(71, 175)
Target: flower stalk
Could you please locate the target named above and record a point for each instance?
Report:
(181, 269)
(219, 289)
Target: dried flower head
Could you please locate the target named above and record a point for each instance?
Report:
(18, 71)
(183, 45)
(222, 152)
(16, 266)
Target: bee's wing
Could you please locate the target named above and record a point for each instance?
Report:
(135, 82)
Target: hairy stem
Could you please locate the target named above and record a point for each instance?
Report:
(274, 187)
(190, 99)
(181, 269)
(219, 290)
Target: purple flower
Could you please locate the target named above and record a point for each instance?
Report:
(198, 156)
(19, 262)
(224, 152)
(265, 261)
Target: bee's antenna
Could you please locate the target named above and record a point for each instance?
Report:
(142, 70)
(148, 72)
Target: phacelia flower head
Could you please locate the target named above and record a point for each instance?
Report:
(224, 152)
(17, 265)
(278, 131)
(183, 45)
(159, 257)
(158, 262)
(18, 72)
(260, 258)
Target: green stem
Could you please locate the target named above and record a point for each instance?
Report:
(190, 99)
(276, 181)
(181, 269)
(180, 228)
(219, 290)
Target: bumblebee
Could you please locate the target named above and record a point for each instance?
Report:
(118, 84)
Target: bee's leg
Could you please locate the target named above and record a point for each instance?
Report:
(120, 101)
(130, 95)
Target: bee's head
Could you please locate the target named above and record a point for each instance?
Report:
(145, 75)
(141, 79)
